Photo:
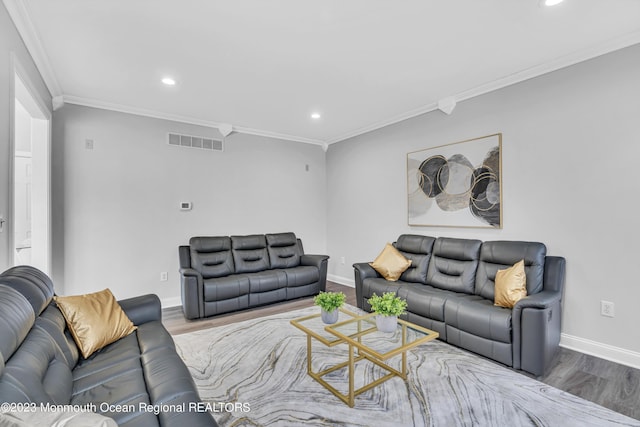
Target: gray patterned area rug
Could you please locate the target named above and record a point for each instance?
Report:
(253, 373)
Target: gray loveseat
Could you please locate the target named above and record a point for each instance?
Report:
(41, 365)
(449, 288)
(223, 274)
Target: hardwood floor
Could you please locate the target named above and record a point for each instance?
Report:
(609, 384)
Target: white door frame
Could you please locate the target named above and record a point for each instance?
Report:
(22, 88)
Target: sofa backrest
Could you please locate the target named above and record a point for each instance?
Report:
(418, 249)
(284, 250)
(211, 256)
(499, 255)
(453, 264)
(250, 253)
(38, 354)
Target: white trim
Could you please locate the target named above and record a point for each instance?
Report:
(171, 302)
(86, 102)
(520, 76)
(19, 14)
(387, 122)
(341, 280)
(601, 350)
(33, 103)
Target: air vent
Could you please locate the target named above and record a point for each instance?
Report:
(190, 141)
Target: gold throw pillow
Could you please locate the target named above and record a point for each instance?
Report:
(511, 285)
(94, 320)
(390, 263)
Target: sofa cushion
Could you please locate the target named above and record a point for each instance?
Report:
(390, 263)
(17, 318)
(54, 324)
(264, 281)
(453, 264)
(94, 320)
(211, 256)
(36, 372)
(478, 316)
(32, 283)
(301, 276)
(284, 250)
(425, 300)
(417, 249)
(498, 255)
(115, 375)
(222, 288)
(250, 253)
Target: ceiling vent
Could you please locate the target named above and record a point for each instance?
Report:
(190, 141)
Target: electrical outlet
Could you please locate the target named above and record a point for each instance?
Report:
(164, 276)
(342, 260)
(607, 309)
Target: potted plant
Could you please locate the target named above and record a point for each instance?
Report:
(329, 302)
(387, 307)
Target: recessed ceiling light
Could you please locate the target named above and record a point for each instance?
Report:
(315, 116)
(552, 2)
(169, 81)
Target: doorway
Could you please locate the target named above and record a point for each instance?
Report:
(31, 225)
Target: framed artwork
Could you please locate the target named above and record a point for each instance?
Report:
(456, 185)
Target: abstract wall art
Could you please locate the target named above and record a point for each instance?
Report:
(456, 185)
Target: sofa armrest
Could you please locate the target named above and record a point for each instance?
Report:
(142, 309)
(362, 270)
(313, 260)
(542, 299)
(192, 293)
(536, 331)
(319, 261)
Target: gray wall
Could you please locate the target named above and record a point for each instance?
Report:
(11, 43)
(571, 144)
(118, 222)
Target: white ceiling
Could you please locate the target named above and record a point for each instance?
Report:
(265, 65)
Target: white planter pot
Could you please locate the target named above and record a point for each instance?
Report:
(329, 318)
(386, 323)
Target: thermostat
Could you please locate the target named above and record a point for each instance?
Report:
(185, 206)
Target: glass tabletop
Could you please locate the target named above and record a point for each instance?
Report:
(362, 332)
(315, 327)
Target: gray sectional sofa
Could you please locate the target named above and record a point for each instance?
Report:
(223, 274)
(41, 365)
(449, 288)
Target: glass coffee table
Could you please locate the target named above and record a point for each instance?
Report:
(364, 340)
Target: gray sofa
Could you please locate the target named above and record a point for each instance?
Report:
(449, 288)
(223, 274)
(41, 363)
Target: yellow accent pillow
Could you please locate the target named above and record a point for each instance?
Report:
(94, 320)
(511, 285)
(390, 263)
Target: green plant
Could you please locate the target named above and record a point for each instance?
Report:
(329, 301)
(388, 304)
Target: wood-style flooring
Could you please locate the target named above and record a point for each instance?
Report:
(609, 384)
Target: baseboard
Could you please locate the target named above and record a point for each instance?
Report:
(341, 280)
(171, 302)
(603, 351)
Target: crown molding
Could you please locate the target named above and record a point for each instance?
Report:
(553, 65)
(520, 76)
(87, 102)
(21, 19)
